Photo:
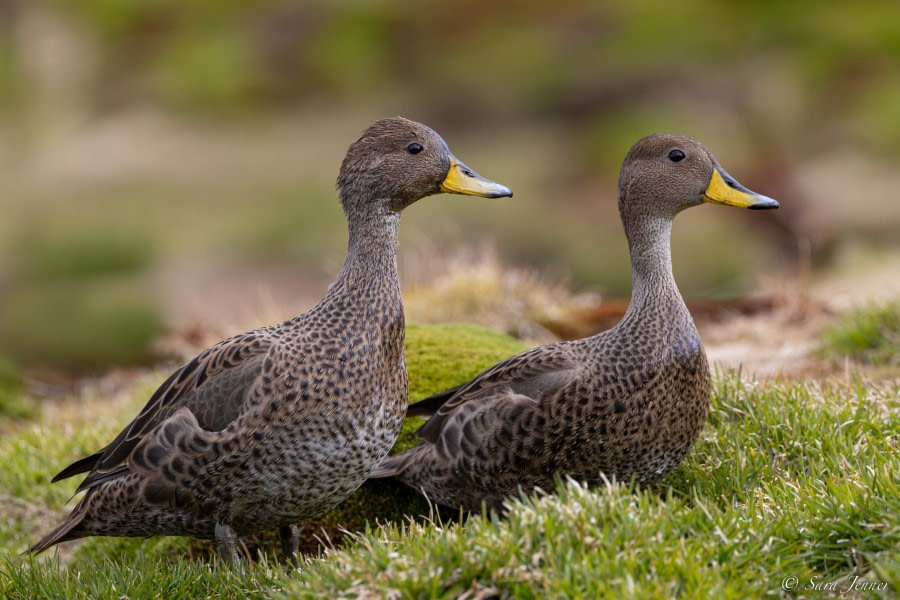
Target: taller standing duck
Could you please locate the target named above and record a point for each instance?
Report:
(283, 422)
(626, 403)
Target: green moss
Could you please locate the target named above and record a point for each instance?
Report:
(442, 356)
(870, 335)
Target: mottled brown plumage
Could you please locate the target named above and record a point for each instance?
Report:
(626, 403)
(282, 423)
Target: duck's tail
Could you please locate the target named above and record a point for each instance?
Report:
(79, 466)
(64, 532)
(393, 465)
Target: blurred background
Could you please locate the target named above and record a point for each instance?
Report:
(169, 166)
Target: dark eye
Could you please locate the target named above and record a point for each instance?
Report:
(676, 155)
(414, 148)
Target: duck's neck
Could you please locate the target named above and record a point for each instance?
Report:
(654, 295)
(371, 261)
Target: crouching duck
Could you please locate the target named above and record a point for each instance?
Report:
(284, 422)
(626, 403)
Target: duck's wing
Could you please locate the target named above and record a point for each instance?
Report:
(212, 387)
(536, 373)
(464, 431)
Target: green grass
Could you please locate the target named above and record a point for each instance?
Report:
(790, 479)
(869, 335)
(144, 577)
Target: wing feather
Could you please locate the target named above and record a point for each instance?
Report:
(536, 373)
(213, 386)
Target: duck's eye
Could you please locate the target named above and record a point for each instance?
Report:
(676, 155)
(414, 148)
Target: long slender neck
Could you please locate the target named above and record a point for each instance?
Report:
(371, 260)
(654, 292)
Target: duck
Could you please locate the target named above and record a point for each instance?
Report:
(282, 423)
(625, 404)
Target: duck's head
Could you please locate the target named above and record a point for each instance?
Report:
(397, 161)
(665, 173)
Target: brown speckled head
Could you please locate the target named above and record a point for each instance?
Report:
(397, 161)
(665, 173)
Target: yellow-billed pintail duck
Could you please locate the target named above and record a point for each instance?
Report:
(626, 403)
(283, 422)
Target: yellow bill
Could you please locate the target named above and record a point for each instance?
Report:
(461, 179)
(723, 189)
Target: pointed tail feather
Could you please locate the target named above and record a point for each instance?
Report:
(82, 465)
(393, 465)
(63, 533)
(430, 405)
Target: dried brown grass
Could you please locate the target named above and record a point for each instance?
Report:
(474, 284)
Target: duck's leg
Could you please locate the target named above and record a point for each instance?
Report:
(290, 543)
(227, 540)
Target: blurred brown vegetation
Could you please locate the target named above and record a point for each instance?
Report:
(165, 163)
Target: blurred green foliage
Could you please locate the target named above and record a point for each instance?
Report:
(587, 60)
(81, 254)
(12, 386)
(79, 301)
(870, 335)
(75, 325)
(210, 71)
(544, 97)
